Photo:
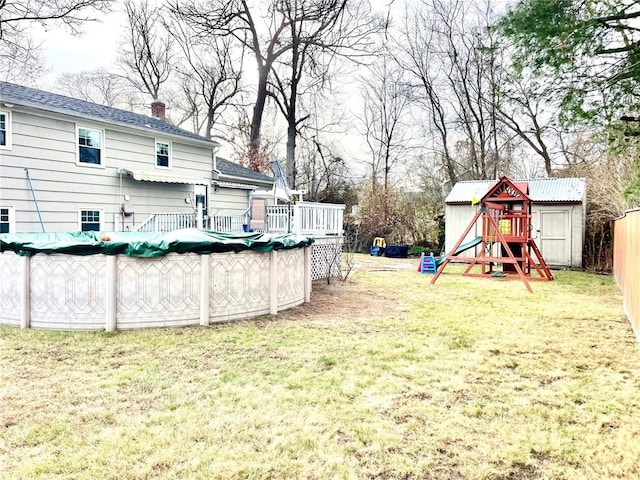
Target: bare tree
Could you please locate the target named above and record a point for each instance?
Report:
(521, 112)
(286, 89)
(446, 49)
(527, 106)
(321, 165)
(270, 32)
(341, 28)
(324, 174)
(417, 44)
(236, 19)
(19, 53)
(98, 86)
(209, 74)
(385, 110)
(470, 74)
(148, 52)
(21, 59)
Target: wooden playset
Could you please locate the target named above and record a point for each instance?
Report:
(505, 213)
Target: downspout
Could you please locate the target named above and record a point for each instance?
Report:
(212, 188)
(248, 214)
(33, 194)
(121, 202)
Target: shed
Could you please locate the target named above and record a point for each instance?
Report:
(558, 216)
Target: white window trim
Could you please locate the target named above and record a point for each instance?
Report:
(12, 217)
(8, 125)
(81, 209)
(155, 154)
(103, 162)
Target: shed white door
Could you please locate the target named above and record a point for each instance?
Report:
(555, 237)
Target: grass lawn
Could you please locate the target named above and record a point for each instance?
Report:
(384, 377)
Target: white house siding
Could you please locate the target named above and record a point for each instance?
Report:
(228, 201)
(192, 161)
(46, 145)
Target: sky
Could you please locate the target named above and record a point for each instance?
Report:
(99, 47)
(96, 47)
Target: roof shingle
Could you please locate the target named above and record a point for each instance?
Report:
(18, 94)
(52, 102)
(234, 170)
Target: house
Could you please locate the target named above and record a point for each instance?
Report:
(71, 165)
(558, 207)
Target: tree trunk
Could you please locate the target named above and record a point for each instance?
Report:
(547, 161)
(258, 110)
(451, 170)
(292, 171)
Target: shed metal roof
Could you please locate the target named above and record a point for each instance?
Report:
(551, 190)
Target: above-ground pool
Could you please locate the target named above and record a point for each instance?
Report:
(116, 281)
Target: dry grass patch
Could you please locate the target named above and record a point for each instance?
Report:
(384, 377)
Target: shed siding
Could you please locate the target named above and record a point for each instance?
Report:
(457, 218)
(47, 147)
(558, 230)
(553, 235)
(559, 248)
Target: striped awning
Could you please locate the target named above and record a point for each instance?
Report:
(164, 178)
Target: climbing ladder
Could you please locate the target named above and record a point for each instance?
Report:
(428, 264)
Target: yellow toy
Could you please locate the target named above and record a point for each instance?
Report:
(377, 249)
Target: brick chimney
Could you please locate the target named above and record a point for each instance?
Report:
(157, 110)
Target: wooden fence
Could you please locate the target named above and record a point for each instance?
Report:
(626, 264)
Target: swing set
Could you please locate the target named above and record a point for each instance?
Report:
(505, 213)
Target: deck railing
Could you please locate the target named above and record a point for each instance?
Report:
(513, 225)
(167, 221)
(228, 223)
(320, 218)
(306, 218)
(303, 218)
(279, 219)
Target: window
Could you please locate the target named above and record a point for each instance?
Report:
(6, 220)
(5, 131)
(163, 154)
(89, 220)
(90, 146)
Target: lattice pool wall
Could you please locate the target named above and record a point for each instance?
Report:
(326, 257)
(66, 292)
(10, 291)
